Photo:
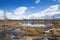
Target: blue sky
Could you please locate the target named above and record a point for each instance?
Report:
(29, 9)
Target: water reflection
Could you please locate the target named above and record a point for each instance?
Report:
(36, 25)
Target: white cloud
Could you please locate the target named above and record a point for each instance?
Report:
(1, 12)
(32, 7)
(37, 1)
(52, 10)
(36, 15)
(20, 10)
(15, 14)
(19, 13)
